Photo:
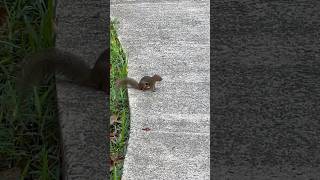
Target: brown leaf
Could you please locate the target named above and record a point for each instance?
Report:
(146, 129)
(3, 15)
(113, 137)
(13, 173)
(113, 119)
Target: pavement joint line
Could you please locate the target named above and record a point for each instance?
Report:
(168, 132)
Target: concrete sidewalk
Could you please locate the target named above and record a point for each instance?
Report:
(266, 76)
(169, 38)
(83, 112)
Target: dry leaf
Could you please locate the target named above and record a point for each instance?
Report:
(146, 129)
(113, 119)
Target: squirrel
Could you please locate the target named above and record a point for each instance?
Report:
(73, 67)
(146, 82)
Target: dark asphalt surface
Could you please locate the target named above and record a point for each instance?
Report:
(265, 85)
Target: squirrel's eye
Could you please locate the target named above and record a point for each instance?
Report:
(147, 84)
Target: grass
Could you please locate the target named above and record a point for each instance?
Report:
(119, 107)
(28, 130)
(29, 133)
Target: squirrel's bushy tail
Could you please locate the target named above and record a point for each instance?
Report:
(127, 81)
(40, 65)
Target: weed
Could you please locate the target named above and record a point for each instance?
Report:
(28, 129)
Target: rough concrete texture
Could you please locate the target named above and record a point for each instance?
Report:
(84, 114)
(265, 94)
(170, 38)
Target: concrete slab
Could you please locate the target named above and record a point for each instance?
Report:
(82, 29)
(170, 38)
(266, 111)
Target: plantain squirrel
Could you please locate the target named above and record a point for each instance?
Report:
(48, 61)
(146, 82)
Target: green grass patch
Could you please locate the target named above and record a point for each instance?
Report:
(119, 106)
(29, 134)
(28, 130)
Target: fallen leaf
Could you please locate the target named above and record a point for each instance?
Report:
(113, 119)
(3, 15)
(146, 129)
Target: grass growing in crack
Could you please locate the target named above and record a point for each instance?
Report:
(119, 107)
(28, 131)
